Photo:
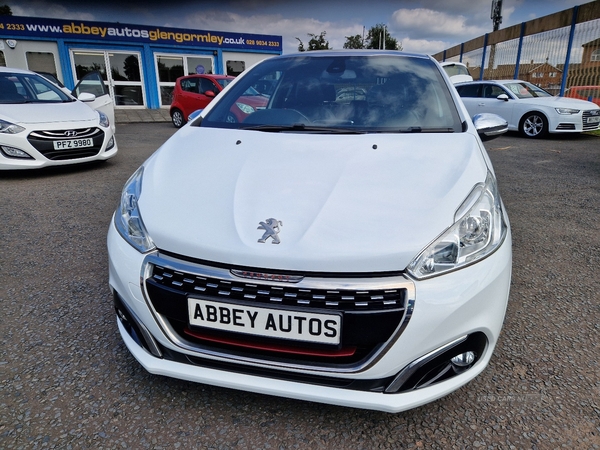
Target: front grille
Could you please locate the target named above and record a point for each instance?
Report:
(565, 126)
(342, 299)
(43, 141)
(374, 311)
(586, 115)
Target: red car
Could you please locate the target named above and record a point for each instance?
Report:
(589, 93)
(195, 92)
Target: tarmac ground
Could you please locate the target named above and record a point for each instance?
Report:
(67, 381)
(138, 115)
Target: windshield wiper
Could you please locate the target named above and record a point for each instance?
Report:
(302, 127)
(417, 130)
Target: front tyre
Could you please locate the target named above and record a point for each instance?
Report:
(177, 118)
(534, 125)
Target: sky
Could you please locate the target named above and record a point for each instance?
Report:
(423, 26)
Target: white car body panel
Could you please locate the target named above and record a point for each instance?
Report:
(44, 117)
(102, 103)
(449, 68)
(355, 210)
(313, 187)
(480, 297)
(514, 109)
(105, 104)
(24, 114)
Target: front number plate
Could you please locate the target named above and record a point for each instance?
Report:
(73, 143)
(593, 119)
(266, 322)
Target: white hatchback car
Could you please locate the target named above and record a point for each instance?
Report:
(528, 108)
(458, 72)
(353, 252)
(42, 126)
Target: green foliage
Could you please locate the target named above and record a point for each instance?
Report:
(379, 33)
(375, 36)
(316, 42)
(355, 41)
(5, 10)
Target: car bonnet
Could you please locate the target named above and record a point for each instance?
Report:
(48, 113)
(561, 102)
(352, 203)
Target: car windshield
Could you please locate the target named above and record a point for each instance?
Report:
(224, 81)
(338, 92)
(456, 69)
(29, 88)
(526, 90)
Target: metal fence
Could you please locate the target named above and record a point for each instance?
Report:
(555, 52)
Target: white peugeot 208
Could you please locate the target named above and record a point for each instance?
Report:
(345, 243)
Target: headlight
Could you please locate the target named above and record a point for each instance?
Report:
(104, 122)
(10, 128)
(246, 109)
(127, 216)
(566, 111)
(478, 230)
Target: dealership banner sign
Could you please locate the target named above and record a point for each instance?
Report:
(33, 27)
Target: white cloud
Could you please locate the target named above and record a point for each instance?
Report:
(422, 23)
(289, 29)
(49, 10)
(423, 46)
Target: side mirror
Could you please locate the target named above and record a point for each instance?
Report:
(86, 97)
(489, 126)
(194, 114)
(503, 97)
(210, 93)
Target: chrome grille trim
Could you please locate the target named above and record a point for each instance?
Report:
(333, 284)
(354, 296)
(565, 126)
(586, 115)
(55, 135)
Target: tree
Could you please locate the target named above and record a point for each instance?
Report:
(378, 33)
(316, 42)
(356, 41)
(5, 10)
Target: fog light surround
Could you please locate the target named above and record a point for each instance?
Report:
(14, 152)
(111, 143)
(441, 364)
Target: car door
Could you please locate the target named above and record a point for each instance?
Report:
(470, 94)
(92, 83)
(483, 98)
(193, 94)
(489, 102)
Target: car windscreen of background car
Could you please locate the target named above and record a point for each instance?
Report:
(26, 88)
(527, 90)
(375, 93)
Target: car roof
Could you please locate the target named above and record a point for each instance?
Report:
(494, 81)
(503, 82)
(207, 75)
(15, 70)
(353, 52)
(452, 63)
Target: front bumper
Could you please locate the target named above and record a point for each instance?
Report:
(105, 147)
(468, 302)
(576, 123)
